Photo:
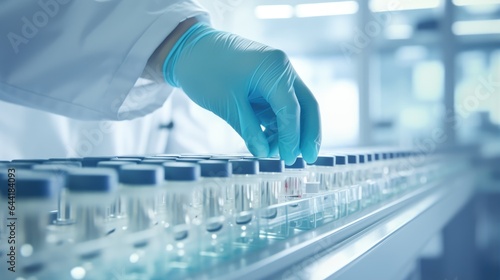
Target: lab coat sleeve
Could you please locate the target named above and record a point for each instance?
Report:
(83, 59)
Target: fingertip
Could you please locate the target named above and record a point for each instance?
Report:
(258, 147)
(289, 155)
(310, 152)
(290, 161)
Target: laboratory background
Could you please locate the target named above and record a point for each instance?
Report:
(407, 185)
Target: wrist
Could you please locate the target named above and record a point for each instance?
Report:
(154, 67)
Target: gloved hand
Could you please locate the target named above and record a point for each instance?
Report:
(248, 85)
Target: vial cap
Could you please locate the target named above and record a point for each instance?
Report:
(93, 161)
(131, 157)
(21, 165)
(369, 157)
(352, 159)
(225, 158)
(116, 165)
(377, 156)
(324, 161)
(35, 161)
(245, 167)
(215, 168)
(189, 160)
(92, 180)
(200, 157)
(159, 158)
(361, 158)
(66, 159)
(167, 155)
(141, 174)
(156, 161)
(251, 158)
(31, 184)
(69, 161)
(271, 165)
(65, 163)
(340, 160)
(181, 171)
(135, 160)
(54, 168)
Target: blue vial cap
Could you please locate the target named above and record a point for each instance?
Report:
(352, 159)
(369, 157)
(361, 158)
(377, 156)
(299, 163)
(159, 158)
(92, 180)
(324, 161)
(250, 158)
(189, 160)
(167, 155)
(116, 165)
(271, 165)
(21, 165)
(30, 184)
(202, 157)
(340, 160)
(225, 158)
(234, 156)
(181, 171)
(65, 163)
(141, 174)
(245, 167)
(385, 155)
(215, 168)
(35, 161)
(93, 161)
(155, 161)
(66, 159)
(53, 168)
(134, 160)
(131, 157)
(69, 161)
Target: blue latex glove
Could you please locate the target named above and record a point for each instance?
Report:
(248, 85)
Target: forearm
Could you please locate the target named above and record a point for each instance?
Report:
(154, 67)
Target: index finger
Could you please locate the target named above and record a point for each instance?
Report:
(276, 86)
(310, 120)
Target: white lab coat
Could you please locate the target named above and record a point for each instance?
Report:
(31, 133)
(83, 59)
